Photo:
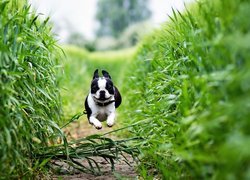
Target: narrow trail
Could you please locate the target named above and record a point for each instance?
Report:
(81, 128)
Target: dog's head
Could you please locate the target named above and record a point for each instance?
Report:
(102, 88)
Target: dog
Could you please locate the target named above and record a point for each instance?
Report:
(102, 100)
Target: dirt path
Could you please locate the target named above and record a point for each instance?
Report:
(81, 128)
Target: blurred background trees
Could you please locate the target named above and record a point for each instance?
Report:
(79, 40)
(121, 24)
(115, 16)
(105, 24)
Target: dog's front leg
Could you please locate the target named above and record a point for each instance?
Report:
(95, 122)
(111, 119)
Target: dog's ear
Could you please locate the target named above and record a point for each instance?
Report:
(96, 75)
(106, 74)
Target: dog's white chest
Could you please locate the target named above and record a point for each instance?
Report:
(101, 113)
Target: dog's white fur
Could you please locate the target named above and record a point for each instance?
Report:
(102, 113)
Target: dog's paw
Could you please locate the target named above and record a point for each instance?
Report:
(98, 125)
(110, 123)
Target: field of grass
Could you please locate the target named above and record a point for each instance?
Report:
(29, 94)
(190, 88)
(34, 105)
(186, 87)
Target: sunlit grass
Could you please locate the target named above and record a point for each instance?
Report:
(190, 88)
(113, 56)
(29, 94)
(186, 89)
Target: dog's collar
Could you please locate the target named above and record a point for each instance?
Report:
(105, 103)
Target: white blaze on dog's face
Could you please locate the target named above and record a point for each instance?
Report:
(102, 88)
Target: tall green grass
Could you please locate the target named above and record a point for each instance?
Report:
(29, 95)
(190, 89)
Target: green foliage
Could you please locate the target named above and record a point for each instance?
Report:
(189, 87)
(30, 138)
(134, 34)
(129, 38)
(116, 15)
(29, 96)
(78, 39)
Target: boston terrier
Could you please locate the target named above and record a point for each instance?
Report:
(103, 99)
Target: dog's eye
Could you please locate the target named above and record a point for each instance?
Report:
(109, 87)
(94, 88)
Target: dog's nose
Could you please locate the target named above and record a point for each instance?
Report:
(102, 94)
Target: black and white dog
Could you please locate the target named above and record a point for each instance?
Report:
(102, 100)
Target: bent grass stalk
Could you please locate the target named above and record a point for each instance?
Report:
(88, 149)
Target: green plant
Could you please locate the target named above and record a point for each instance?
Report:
(29, 94)
(190, 86)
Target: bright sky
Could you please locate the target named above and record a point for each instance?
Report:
(79, 15)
